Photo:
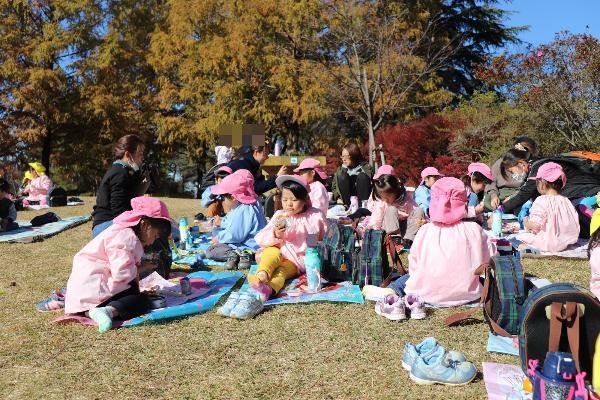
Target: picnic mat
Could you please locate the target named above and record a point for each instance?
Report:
(207, 290)
(195, 256)
(29, 234)
(502, 345)
(504, 381)
(575, 250)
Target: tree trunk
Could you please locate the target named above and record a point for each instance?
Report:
(369, 108)
(47, 150)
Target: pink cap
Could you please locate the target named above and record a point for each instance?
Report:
(224, 168)
(448, 201)
(296, 178)
(384, 170)
(240, 185)
(551, 172)
(311, 163)
(143, 207)
(429, 171)
(482, 168)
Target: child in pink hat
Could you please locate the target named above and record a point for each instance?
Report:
(392, 205)
(553, 223)
(212, 203)
(234, 241)
(104, 280)
(447, 251)
(478, 177)
(312, 172)
(286, 238)
(423, 193)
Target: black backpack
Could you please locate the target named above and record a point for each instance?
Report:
(44, 219)
(57, 197)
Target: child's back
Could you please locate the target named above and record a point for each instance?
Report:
(240, 226)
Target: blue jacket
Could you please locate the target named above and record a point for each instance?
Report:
(423, 197)
(240, 225)
(206, 199)
(473, 200)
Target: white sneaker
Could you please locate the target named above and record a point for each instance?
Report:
(392, 307)
(376, 293)
(415, 306)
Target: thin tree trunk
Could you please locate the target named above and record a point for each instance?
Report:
(369, 109)
(47, 150)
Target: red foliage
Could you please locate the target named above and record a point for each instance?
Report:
(410, 148)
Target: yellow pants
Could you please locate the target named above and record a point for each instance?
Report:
(277, 268)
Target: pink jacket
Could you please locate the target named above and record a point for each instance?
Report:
(38, 188)
(595, 264)
(319, 197)
(559, 224)
(306, 230)
(443, 260)
(375, 221)
(103, 268)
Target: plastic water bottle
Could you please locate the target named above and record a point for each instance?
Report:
(524, 213)
(312, 262)
(497, 221)
(183, 230)
(353, 204)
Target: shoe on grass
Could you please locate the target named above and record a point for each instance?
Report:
(248, 306)
(54, 302)
(392, 307)
(438, 368)
(232, 300)
(414, 303)
(425, 349)
(233, 259)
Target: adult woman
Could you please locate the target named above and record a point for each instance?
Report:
(252, 158)
(120, 184)
(502, 187)
(353, 177)
(581, 181)
(39, 186)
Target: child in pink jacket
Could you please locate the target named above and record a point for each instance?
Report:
(105, 275)
(446, 251)
(594, 251)
(310, 169)
(287, 236)
(39, 186)
(392, 205)
(553, 223)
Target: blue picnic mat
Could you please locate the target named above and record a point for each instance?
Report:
(218, 283)
(29, 234)
(194, 256)
(501, 344)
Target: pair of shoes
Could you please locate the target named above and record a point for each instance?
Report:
(241, 305)
(430, 363)
(233, 259)
(54, 302)
(246, 258)
(394, 307)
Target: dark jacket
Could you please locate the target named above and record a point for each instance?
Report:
(118, 187)
(261, 184)
(582, 181)
(7, 210)
(341, 169)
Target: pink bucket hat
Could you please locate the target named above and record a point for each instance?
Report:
(448, 201)
(384, 170)
(143, 207)
(224, 168)
(429, 171)
(240, 185)
(296, 178)
(550, 172)
(482, 168)
(311, 163)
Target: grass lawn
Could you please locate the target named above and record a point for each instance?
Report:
(316, 351)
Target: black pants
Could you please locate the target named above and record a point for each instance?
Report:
(355, 185)
(130, 303)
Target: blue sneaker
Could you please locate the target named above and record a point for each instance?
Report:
(225, 309)
(248, 306)
(425, 349)
(438, 368)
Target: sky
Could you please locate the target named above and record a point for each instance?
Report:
(547, 17)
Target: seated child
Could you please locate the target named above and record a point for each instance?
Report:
(37, 189)
(423, 193)
(447, 251)
(310, 169)
(212, 203)
(234, 240)
(594, 252)
(285, 239)
(392, 206)
(553, 223)
(478, 177)
(8, 212)
(104, 280)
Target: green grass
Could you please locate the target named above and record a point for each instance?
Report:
(316, 351)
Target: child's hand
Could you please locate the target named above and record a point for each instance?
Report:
(214, 240)
(146, 266)
(279, 232)
(495, 202)
(479, 208)
(216, 221)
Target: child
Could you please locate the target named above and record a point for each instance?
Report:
(447, 251)
(287, 236)
(213, 204)
(39, 186)
(594, 252)
(553, 223)
(105, 276)
(423, 193)
(310, 169)
(392, 206)
(8, 212)
(234, 240)
(478, 177)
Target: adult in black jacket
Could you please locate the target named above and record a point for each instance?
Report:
(121, 183)
(582, 181)
(252, 159)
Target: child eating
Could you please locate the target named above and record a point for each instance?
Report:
(104, 280)
(310, 169)
(553, 223)
(8, 212)
(478, 177)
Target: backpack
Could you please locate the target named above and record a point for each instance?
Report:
(338, 253)
(504, 292)
(559, 317)
(44, 219)
(57, 197)
(373, 267)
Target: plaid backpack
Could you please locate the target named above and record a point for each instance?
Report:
(504, 293)
(373, 265)
(338, 253)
